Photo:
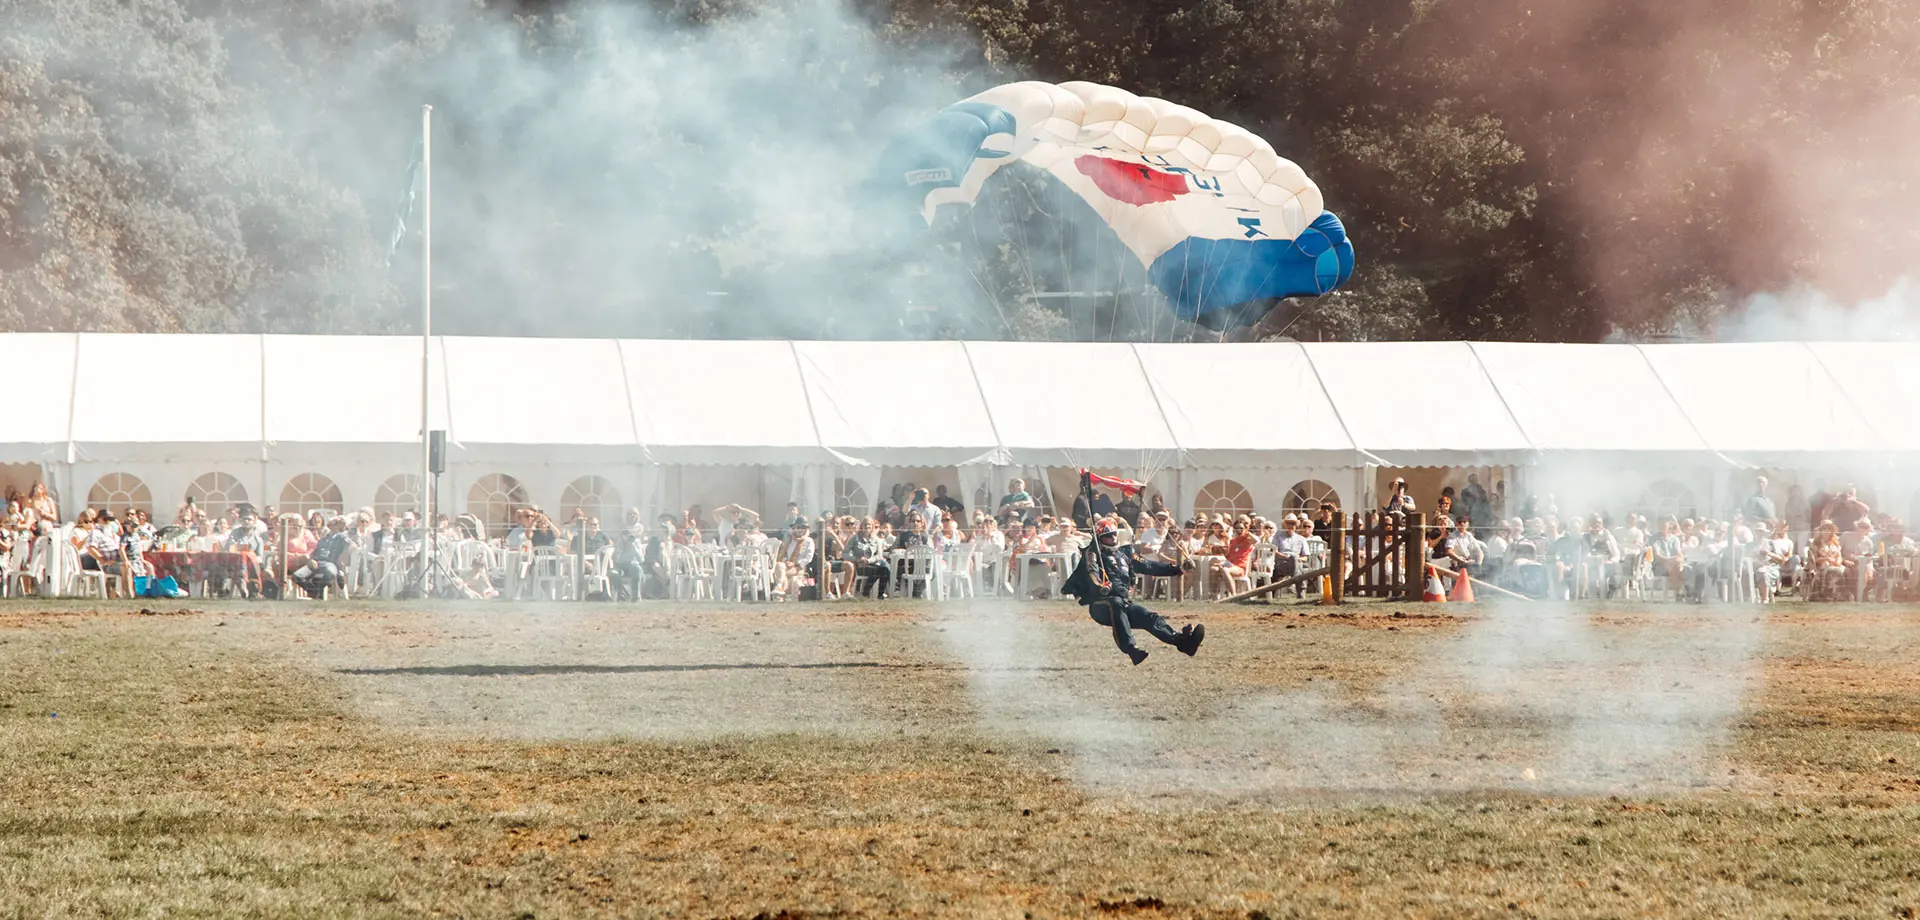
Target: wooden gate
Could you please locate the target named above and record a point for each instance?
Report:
(1384, 556)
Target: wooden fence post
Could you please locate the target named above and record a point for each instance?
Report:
(1337, 559)
(1413, 572)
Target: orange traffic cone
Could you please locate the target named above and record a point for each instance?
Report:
(1462, 587)
(1436, 593)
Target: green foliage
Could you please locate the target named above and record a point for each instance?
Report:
(1508, 169)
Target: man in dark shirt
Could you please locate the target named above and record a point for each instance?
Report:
(1103, 506)
(948, 504)
(595, 540)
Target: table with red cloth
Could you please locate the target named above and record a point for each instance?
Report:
(190, 569)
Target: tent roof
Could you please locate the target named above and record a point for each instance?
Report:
(1072, 404)
(1113, 405)
(898, 405)
(40, 364)
(1620, 406)
(721, 402)
(1419, 403)
(1882, 380)
(342, 389)
(1207, 394)
(1763, 403)
(537, 393)
(217, 402)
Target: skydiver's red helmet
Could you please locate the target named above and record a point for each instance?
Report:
(1105, 527)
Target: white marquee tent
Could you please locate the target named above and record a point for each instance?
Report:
(168, 410)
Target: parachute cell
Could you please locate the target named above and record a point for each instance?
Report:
(1222, 224)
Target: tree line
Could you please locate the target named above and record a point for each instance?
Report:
(1508, 169)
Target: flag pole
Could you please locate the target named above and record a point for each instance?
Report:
(426, 346)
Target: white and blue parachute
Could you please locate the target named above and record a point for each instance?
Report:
(1221, 222)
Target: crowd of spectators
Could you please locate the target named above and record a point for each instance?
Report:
(1827, 546)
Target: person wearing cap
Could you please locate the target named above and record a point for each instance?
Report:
(1114, 608)
(322, 568)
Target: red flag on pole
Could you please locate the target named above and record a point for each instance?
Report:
(1126, 486)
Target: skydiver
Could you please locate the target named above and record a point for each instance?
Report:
(1114, 608)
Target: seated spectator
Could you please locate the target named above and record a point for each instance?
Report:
(1289, 548)
(1146, 536)
(1601, 560)
(322, 567)
(867, 553)
(793, 558)
(1856, 551)
(1700, 562)
(1237, 556)
(248, 535)
(1772, 562)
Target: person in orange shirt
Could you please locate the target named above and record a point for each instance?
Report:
(1239, 553)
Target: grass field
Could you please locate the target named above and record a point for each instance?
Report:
(991, 760)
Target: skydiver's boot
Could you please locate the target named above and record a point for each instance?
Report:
(1138, 655)
(1191, 637)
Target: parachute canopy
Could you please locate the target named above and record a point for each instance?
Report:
(1222, 223)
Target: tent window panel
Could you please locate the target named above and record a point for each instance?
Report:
(1223, 496)
(217, 493)
(595, 496)
(849, 498)
(1668, 498)
(493, 499)
(310, 492)
(117, 492)
(397, 496)
(1307, 494)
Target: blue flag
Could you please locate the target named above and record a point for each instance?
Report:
(404, 212)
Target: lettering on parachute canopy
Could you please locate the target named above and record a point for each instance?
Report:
(1200, 183)
(929, 176)
(1253, 227)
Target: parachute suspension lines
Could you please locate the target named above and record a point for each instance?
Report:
(1006, 324)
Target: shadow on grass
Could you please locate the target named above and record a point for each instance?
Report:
(537, 670)
(525, 670)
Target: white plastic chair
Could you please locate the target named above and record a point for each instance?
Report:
(87, 580)
(599, 577)
(691, 580)
(920, 566)
(957, 575)
(547, 575)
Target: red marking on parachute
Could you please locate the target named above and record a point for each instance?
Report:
(1131, 183)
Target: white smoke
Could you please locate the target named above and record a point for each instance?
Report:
(1538, 696)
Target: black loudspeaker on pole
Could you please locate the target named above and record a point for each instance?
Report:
(437, 451)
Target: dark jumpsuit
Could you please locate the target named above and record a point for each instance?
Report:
(1121, 566)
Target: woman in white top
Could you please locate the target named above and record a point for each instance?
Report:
(1775, 555)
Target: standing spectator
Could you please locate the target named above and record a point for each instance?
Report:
(1758, 507)
(795, 518)
(1157, 506)
(1474, 499)
(1847, 506)
(729, 519)
(1129, 507)
(41, 504)
(929, 513)
(951, 507)
(1398, 501)
(1102, 503)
